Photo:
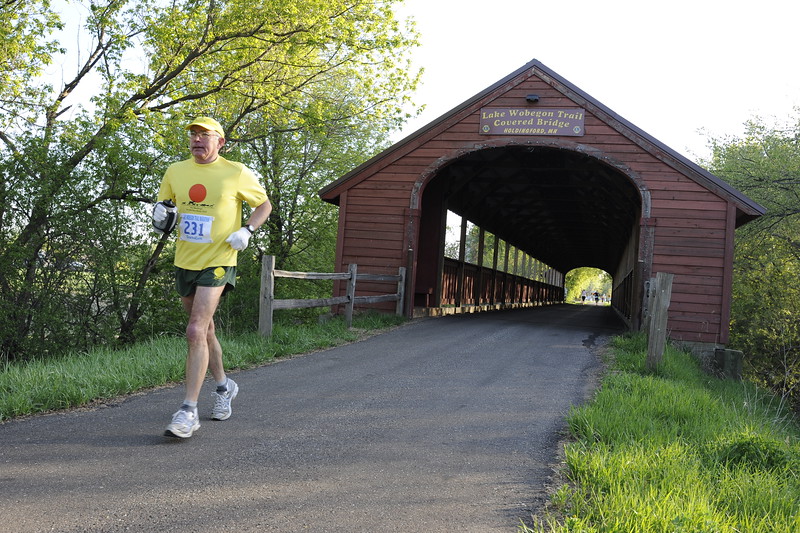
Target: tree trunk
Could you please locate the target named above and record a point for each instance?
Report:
(133, 314)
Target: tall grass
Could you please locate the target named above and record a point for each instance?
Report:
(676, 451)
(75, 380)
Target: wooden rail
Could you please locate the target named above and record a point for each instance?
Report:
(268, 303)
(466, 284)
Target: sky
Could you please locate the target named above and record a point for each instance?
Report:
(684, 71)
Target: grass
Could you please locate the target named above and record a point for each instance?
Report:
(76, 380)
(675, 451)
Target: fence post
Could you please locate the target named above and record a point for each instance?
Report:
(661, 291)
(351, 294)
(267, 295)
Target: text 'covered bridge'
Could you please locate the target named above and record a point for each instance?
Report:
(558, 181)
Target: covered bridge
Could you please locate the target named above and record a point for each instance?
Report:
(558, 181)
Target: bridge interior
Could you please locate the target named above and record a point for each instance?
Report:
(564, 208)
(560, 207)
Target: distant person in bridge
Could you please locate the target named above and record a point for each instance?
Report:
(203, 195)
(583, 296)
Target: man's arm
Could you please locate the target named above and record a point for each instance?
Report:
(260, 215)
(239, 238)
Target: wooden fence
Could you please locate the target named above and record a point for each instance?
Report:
(349, 300)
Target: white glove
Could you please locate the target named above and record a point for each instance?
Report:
(165, 216)
(159, 213)
(239, 239)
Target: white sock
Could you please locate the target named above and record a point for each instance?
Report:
(189, 405)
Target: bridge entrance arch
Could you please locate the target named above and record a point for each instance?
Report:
(558, 181)
(559, 203)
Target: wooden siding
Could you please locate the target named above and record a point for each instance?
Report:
(690, 236)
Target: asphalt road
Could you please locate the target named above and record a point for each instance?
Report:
(443, 424)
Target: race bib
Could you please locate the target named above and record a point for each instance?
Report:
(196, 228)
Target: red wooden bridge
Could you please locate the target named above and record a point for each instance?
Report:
(557, 181)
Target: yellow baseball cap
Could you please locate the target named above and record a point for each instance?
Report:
(209, 124)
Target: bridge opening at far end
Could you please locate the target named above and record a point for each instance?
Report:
(588, 286)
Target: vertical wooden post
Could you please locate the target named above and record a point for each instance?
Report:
(477, 289)
(401, 285)
(267, 295)
(657, 336)
(462, 252)
(505, 298)
(515, 297)
(493, 288)
(438, 289)
(352, 269)
(408, 290)
(526, 279)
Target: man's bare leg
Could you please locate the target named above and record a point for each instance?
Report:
(204, 350)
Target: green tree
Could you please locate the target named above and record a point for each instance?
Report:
(765, 164)
(81, 160)
(589, 279)
(24, 53)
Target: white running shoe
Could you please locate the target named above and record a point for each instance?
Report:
(183, 424)
(222, 402)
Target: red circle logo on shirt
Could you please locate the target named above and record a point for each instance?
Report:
(197, 193)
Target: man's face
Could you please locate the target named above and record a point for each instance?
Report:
(204, 145)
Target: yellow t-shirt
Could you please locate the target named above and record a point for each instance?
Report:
(209, 200)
